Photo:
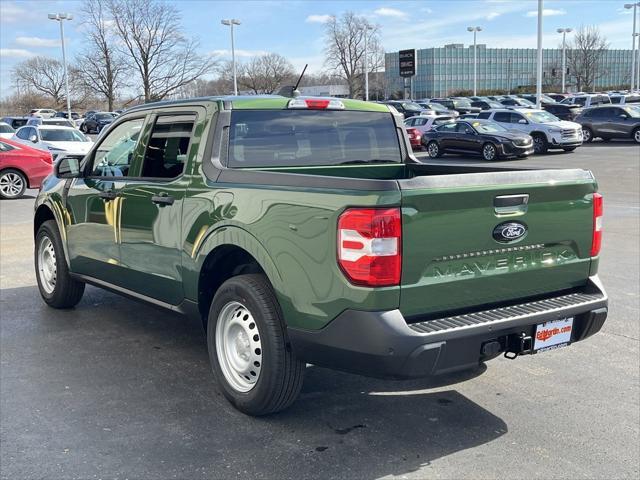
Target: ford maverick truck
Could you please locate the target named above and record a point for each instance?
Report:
(303, 230)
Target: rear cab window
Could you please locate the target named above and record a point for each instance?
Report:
(289, 138)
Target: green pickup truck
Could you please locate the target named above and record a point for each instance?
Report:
(303, 230)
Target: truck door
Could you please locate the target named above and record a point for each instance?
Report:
(150, 234)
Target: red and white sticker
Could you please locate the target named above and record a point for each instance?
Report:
(550, 335)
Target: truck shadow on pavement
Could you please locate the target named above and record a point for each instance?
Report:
(116, 388)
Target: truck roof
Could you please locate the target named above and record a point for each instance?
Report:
(261, 102)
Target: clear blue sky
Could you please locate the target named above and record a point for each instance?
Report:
(295, 28)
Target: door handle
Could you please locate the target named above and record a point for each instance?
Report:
(108, 195)
(162, 199)
(509, 204)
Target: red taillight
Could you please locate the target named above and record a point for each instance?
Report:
(369, 246)
(598, 210)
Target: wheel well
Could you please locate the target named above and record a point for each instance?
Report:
(220, 265)
(43, 214)
(533, 134)
(26, 177)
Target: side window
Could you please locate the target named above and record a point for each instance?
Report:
(419, 122)
(503, 117)
(166, 153)
(411, 122)
(516, 117)
(616, 99)
(22, 134)
(114, 155)
(484, 115)
(447, 127)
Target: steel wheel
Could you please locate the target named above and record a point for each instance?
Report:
(489, 152)
(238, 346)
(47, 267)
(636, 135)
(12, 184)
(433, 149)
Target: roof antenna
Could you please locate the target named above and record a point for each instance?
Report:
(292, 91)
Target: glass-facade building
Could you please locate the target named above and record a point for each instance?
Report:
(441, 71)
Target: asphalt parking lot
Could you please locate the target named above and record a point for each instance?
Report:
(118, 389)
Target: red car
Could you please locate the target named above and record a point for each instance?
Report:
(415, 137)
(21, 167)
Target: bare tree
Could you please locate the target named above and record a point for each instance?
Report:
(344, 51)
(265, 73)
(44, 75)
(156, 47)
(101, 67)
(584, 56)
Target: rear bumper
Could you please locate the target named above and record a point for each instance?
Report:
(383, 344)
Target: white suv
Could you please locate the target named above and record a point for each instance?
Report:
(547, 130)
(42, 112)
(587, 100)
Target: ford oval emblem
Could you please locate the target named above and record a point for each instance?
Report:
(509, 232)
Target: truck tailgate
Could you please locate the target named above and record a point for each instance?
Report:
(451, 257)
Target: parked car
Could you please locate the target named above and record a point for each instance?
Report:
(408, 108)
(424, 124)
(438, 110)
(15, 122)
(74, 115)
(42, 112)
(587, 100)
(547, 130)
(415, 138)
(558, 97)
(486, 104)
(625, 99)
(6, 130)
(357, 264)
(516, 102)
(21, 167)
(609, 122)
(97, 121)
(544, 99)
(459, 105)
(562, 111)
(60, 122)
(57, 140)
(482, 137)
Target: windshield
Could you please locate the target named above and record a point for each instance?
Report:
(4, 128)
(437, 107)
(633, 111)
(462, 103)
(443, 120)
(270, 138)
(541, 117)
(493, 104)
(489, 127)
(51, 135)
(412, 107)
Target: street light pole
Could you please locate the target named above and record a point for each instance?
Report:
(231, 22)
(475, 30)
(60, 17)
(564, 32)
(366, 63)
(539, 59)
(633, 42)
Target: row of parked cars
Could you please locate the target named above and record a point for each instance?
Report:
(493, 126)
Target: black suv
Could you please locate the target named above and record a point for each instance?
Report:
(406, 107)
(609, 122)
(460, 105)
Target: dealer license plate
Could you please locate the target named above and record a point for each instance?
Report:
(551, 335)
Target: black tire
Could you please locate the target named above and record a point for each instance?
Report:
(83, 127)
(587, 135)
(433, 149)
(635, 135)
(540, 144)
(569, 149)
(489, 152)
(13, 183)
(67, 292)
(281, 373)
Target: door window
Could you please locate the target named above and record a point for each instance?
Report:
(166, 152)
(516, 117)
(504, 117)
(114, 155)
(23, 133)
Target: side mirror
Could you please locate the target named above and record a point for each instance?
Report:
(624, 116)
(523, 121)
(68, 167)
(33, 139)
